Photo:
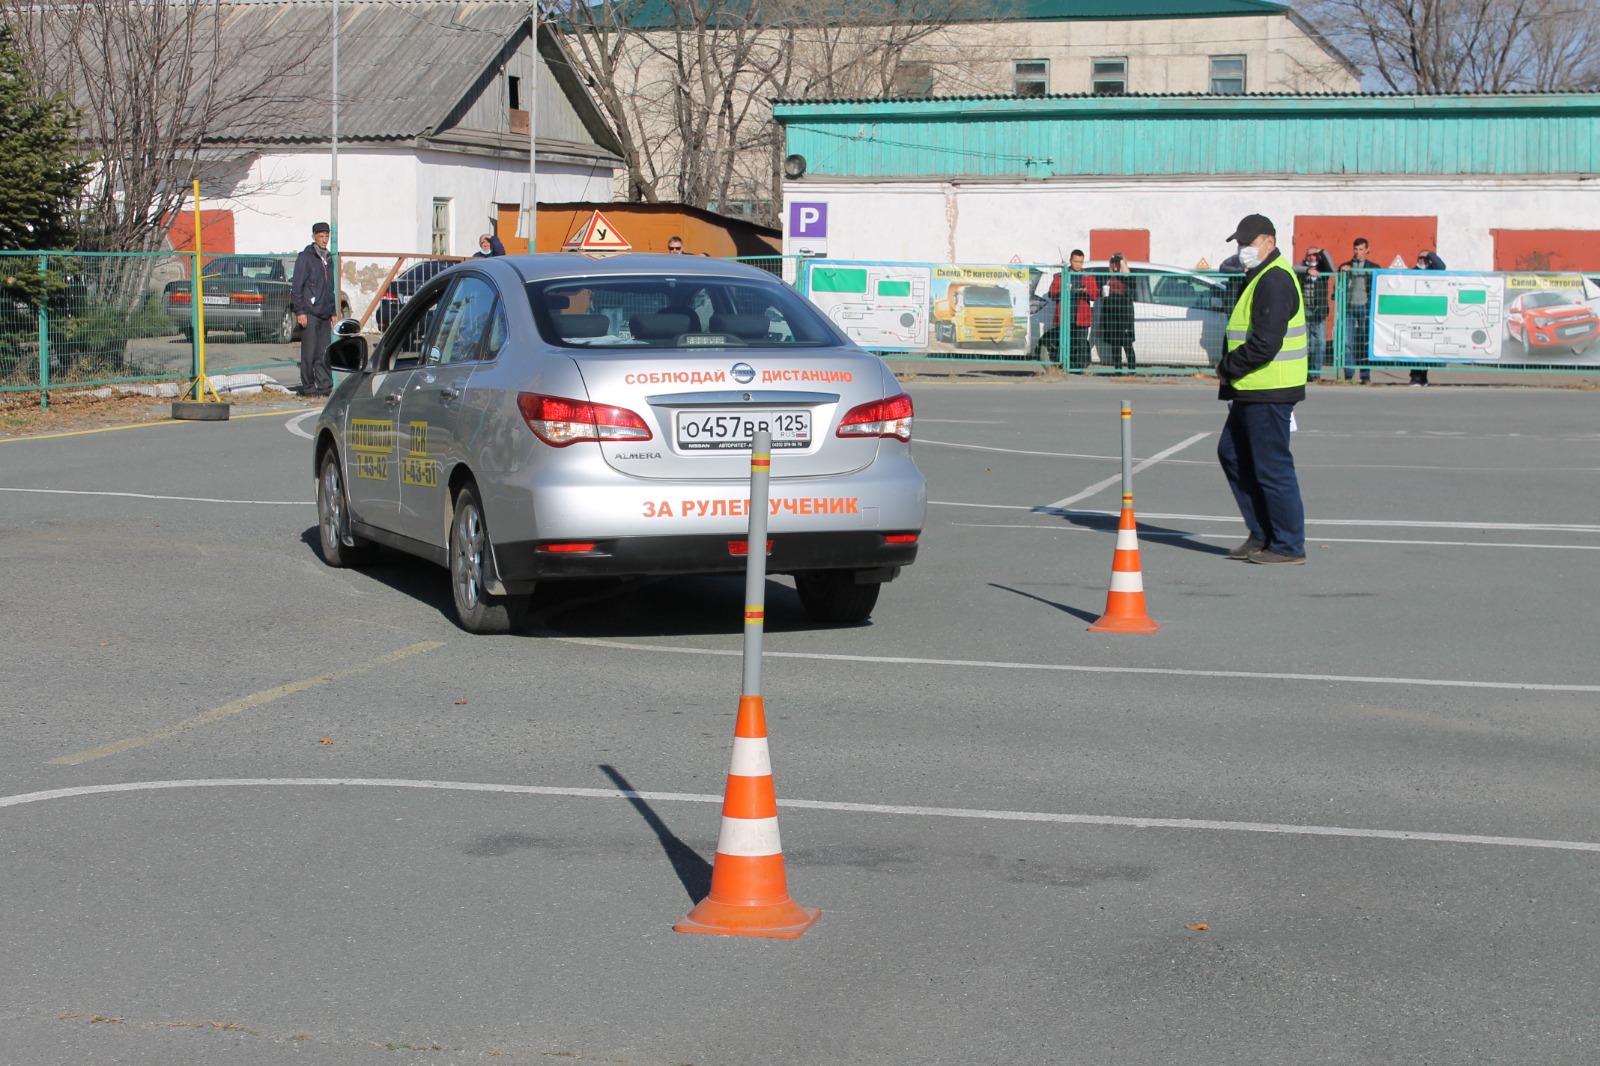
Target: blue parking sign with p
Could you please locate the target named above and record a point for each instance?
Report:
(808, 220)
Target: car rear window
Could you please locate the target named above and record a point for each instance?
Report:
(662, 311)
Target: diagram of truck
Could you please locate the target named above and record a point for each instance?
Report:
(881, 306)
(973, 312)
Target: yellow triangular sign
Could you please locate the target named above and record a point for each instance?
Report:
(597, 234)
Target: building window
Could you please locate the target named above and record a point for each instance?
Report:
(912, 79)
(1032, 77)
(1227, 75)
(1110, 77)
(514, 86)
(441, 226)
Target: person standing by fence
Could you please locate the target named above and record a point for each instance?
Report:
(1115, 325)
(1427, 259)
(1316, 281)
(314, 303)
(1075, 305)
(1357, 271)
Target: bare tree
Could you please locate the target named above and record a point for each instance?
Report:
(687, 84)
(1468, 45)
(156, 81)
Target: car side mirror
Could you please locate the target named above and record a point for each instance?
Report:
(348, 353)
(347, 327)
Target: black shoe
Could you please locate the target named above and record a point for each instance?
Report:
(1266, 558)
(1245, 550)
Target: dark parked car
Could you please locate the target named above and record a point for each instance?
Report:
(251, 293)
(406, 285)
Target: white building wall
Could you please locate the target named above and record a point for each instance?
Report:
(1187, 219)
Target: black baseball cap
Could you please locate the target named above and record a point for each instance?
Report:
(1252, 226)
(320, 227)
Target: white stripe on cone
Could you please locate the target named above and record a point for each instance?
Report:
(1127, 540)
(751, 758)
(1127, 581)
(752, 837)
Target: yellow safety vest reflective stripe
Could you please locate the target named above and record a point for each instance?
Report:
(1288, 367)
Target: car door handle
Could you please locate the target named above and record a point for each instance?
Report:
(449, 393)
(392, 399)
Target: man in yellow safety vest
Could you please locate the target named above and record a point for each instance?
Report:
(1263, 375)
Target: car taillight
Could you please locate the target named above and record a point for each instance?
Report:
(247, 298)
(573, 546)
(560, 422)
(900, 538)
(178, 298)
(880, 418)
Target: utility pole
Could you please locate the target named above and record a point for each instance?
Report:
(333, 184)
(533, 129)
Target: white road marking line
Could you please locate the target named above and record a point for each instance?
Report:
(1071, 668)
(1179, 534)
(293, 425)
(921, 420)
(1393, 523)
(1117, 478)
(151, 496)
(1275, 828)
(1014, 451)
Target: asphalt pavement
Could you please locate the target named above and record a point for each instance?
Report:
(256, 810)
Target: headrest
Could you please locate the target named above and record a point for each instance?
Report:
(745, 327)
(658, 327)
(580, 327)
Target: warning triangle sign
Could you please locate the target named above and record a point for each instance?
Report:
(1398, 264)
(597, 234)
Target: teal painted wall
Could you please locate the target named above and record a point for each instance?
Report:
(1012, 138)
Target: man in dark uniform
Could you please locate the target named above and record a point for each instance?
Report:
(314, 305)
(1263, 375)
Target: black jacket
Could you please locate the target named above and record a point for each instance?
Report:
(313, 284)
(1274, 302)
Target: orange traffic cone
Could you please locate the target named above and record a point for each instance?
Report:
(1125, 611)
(749, 892)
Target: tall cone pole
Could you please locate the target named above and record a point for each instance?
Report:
(749, 889)
(1125, 610)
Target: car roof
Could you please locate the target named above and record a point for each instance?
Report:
(545, 266)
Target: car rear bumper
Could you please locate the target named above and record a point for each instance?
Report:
(701, 554)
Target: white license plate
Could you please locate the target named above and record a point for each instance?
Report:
(209, 299)
(734, 430)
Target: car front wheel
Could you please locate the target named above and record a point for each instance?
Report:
(470, 551)
(333, 519)
(832, 597)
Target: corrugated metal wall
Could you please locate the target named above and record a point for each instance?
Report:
(1173, 136)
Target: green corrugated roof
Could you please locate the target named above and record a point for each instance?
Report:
(1017, 138)
(664, 14)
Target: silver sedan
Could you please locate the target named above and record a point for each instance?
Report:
(534, 418)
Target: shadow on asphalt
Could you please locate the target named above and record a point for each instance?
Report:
(1181, 538)
(1087, 616)
(690, 605)
(692, 870)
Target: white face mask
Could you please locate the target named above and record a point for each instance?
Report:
(1249, 256)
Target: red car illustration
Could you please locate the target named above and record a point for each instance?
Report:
(1552, 318)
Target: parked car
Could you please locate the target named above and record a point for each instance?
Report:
(1180, 317)
(1552, 318)
(405, 286)
(250, 293)
(548, 417)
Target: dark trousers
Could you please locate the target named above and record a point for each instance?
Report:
(1254, 453)
(1077, 347)
(315, 374)
(1358, 325)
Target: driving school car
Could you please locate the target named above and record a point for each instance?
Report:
(548, 417)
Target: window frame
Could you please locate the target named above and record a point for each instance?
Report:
(1097, 78)
(440, 225)
(1223, 74)
(1039, 77)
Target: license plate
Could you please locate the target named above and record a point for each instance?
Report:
(209, 299)
(711, 431)
(1574, 331)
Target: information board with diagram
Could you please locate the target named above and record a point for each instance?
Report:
(1512, 318)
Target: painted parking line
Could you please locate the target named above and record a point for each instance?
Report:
(153, 496)
(1074, 668)
(1390, 523)
(238, 706)
(1146, 534)
(293, 425)
(1116, 479)
(841, 807)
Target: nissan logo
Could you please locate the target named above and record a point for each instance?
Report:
(743, 373)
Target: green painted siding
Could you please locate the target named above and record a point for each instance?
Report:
(1005, 137)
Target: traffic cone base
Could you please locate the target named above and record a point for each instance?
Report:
(749, 890)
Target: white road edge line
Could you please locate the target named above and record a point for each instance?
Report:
(1145, 534)
(1115, 478)
(293, 425)
(1072, 668)
(152, 496)
(1392, 523)
(1278, 829)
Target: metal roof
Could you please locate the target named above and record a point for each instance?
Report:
(1017, 138)
(666, 14)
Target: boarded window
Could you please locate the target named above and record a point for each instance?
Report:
(912, 79)
(441, 226)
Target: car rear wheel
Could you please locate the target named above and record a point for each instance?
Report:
(832, 597)
(470, 551)
(333, 519)
(284, 333)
